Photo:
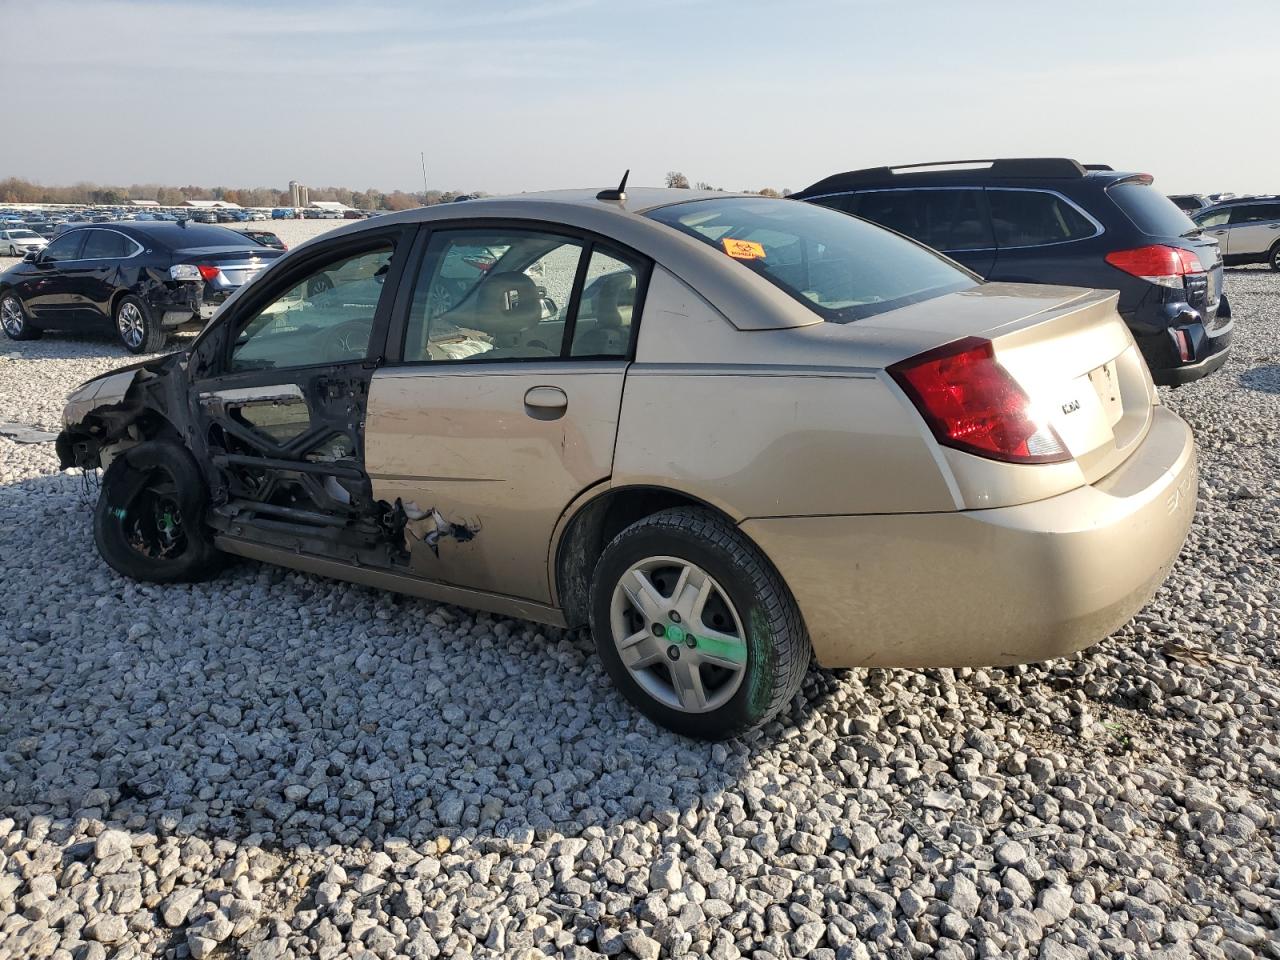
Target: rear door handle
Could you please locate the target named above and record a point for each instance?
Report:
(545, 403)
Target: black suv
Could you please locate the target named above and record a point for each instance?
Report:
(1050, 220)
(145, 278)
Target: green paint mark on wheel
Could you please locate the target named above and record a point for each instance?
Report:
(735, 651)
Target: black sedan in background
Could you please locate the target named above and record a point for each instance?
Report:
(144, 278)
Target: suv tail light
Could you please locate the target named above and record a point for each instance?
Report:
(1156, 263)
(971, 403)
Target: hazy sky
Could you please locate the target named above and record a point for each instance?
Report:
(506, 96)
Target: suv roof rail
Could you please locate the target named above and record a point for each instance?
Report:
(1024, 167)
(1098, 166)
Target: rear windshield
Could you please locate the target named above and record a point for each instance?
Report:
(838, 266)
(190, 235)
(1150, 210)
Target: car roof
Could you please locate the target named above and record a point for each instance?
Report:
(168, 233)
(1016, 171)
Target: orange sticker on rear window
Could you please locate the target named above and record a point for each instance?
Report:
(743, 249)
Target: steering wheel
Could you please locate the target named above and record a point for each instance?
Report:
(349, 339)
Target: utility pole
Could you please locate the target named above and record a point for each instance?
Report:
(423, 156)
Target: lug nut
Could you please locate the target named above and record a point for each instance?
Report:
(659, 630)
(673, 653)
(675, 617)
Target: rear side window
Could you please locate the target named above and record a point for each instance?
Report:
(840, 267)
(946, 220)
(1255, 213)
(105, 245)
(1150, 210)
(1034, 218)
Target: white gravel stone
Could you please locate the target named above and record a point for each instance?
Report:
(271, 764)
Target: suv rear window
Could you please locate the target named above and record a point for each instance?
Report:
(1150, 210)
(838, 266)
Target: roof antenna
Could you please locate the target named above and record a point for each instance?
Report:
(618, 194)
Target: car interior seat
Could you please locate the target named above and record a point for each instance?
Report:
(611, 332)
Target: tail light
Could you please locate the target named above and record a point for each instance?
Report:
(192, 271)
(1156, 263)
(971, 403)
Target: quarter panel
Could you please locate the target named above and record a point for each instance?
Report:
(776, 444)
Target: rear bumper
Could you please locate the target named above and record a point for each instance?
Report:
(1209, 343)
(991, 587)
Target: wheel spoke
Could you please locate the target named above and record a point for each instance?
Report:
(693, 598)
(687, 680)
(644, 596)
(642, 650)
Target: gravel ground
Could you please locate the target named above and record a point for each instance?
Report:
(275, 765)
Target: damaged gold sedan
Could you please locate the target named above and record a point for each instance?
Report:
(729, 433)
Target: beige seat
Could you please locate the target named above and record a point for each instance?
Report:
(611, 332)
(506, 305)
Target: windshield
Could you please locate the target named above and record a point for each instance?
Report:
(840, 267)
(22, 235)
(1150, 210)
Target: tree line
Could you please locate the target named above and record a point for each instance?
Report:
(679, 181)
(16, 190)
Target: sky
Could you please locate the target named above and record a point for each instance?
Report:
(505, 96)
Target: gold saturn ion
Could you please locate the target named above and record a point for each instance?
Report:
(727, 432)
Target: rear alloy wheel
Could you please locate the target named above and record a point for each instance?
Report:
(1275, 258)
(695, 626)
(137, 328)
(13, 317)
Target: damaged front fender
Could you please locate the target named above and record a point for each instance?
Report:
(102, 412)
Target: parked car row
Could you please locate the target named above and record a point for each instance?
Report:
(936, 470)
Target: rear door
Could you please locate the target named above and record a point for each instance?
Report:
(1254, 228)
(96, 275)
(279, 390)
(503, 405)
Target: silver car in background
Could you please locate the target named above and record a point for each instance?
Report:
(1247, 230)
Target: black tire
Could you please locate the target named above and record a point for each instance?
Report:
(15, 321)
(143, 481)
(778, 650)
(1273, 258)
(143, 333)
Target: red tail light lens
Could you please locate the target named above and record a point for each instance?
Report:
(207, 272)
(1156, 263)
(972, 404)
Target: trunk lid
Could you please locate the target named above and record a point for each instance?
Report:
(1071, 353)
(236, 265)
